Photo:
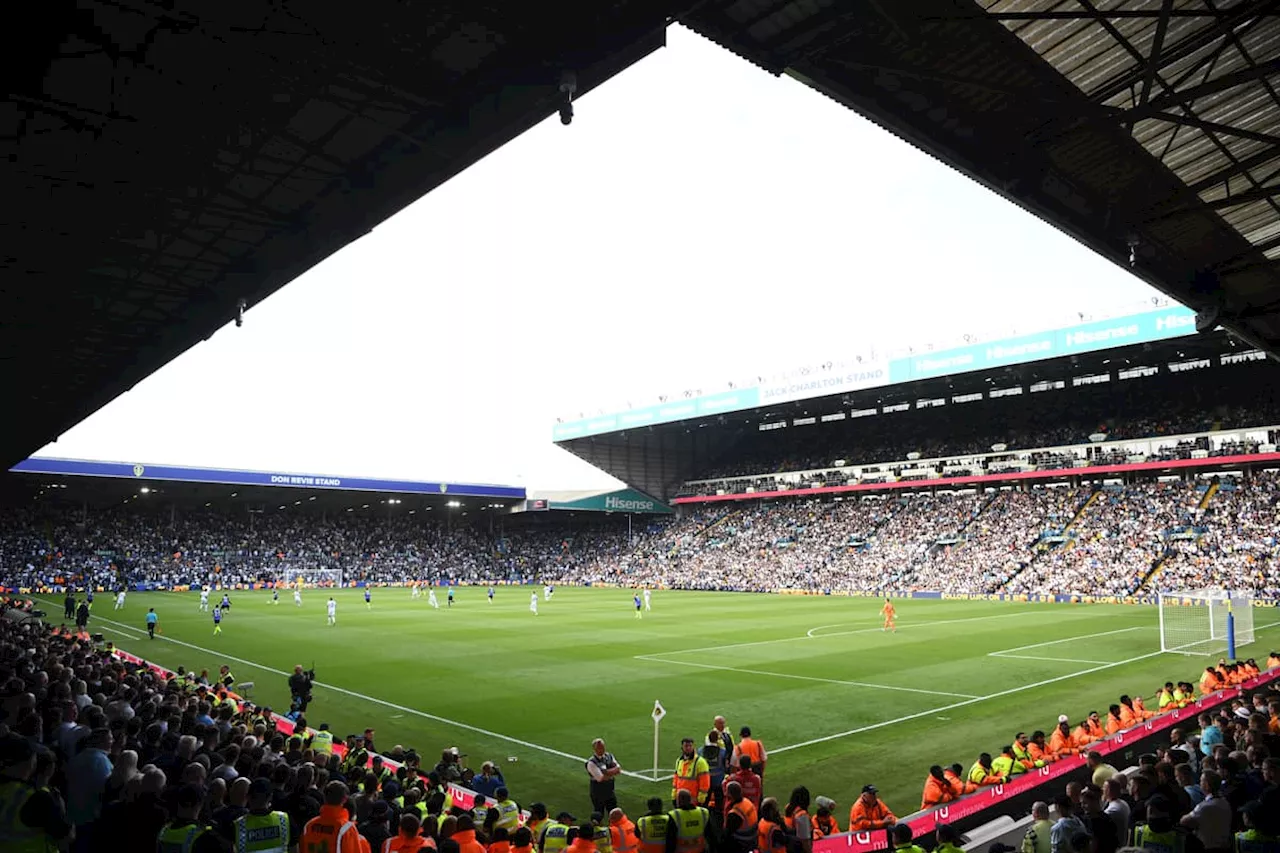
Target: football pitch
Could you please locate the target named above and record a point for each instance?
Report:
(837, 702)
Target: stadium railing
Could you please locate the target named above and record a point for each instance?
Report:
(988, 803)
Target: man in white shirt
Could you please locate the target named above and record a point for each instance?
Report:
(333, 612)
(1115, 807)
(1211, 818)
(1066, 827)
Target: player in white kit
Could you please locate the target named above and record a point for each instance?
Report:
(431, 598)
(333, 611)
(546, 593)
(416, 591)
(297, 597)
(120, 600)
(647, 605)
(204, 598)
(533, 603)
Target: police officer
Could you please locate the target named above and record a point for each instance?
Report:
(651, 829)
(322, 741)
(262, 830)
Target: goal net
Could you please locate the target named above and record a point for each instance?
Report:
(1205, 621)
(303, 578)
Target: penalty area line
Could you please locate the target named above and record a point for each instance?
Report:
(402, 708)
(797, 677)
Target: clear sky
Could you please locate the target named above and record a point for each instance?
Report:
(699, 221)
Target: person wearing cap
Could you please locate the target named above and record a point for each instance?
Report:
(1061, 742)
(32, 820)
(322, 741)
(333, 831)
(1261, 829)
(357, 757)
(692, 774)
(184, 833)
(603, 769)
(262, 829)
(508, 810)
(869, 811)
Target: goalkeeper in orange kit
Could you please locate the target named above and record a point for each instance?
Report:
(889, 616)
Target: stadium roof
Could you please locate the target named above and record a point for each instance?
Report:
(166, 160)
(1152, 126)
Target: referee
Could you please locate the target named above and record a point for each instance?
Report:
(603, 768)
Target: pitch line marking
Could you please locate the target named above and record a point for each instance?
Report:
(1010, 692)
(808, 678)
(402, 708)
(1008, 652)
(836, 634)
(1054, 660)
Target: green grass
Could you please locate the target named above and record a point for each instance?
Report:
(586, 668)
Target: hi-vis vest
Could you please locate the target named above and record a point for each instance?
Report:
(691, 829)
(1253, 841)
(651, 832)
(268, 833)
(179, 838)
(322, 743)
(508, 815)
(603, 839)
(1158, 842)
(555, 838)
(14, 836)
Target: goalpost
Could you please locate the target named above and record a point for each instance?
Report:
(313, 578)
(1205, 621)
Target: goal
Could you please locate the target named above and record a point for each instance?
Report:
(1205, 621)
(313, 577)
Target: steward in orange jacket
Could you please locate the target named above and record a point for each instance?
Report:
(465, 835)
(937, 790)
(1039, 750)
(1094, 725)
(622, 832)
(407, 840)
(1114, 721)
(961, 786)
(1211, 681)
(333, 831)
(869, 812)
(1061, 742)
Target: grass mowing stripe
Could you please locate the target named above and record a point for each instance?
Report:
(496, 735)
(1005, 652)
(1051, 660)
(656, 659)
(811, 636)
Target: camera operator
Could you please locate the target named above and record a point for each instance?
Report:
(300, 687)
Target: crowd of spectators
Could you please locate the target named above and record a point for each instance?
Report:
(1034, 540)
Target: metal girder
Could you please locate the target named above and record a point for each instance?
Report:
(1191, 120)
(1209, 87)
(1157, 43)
(1229, 22)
